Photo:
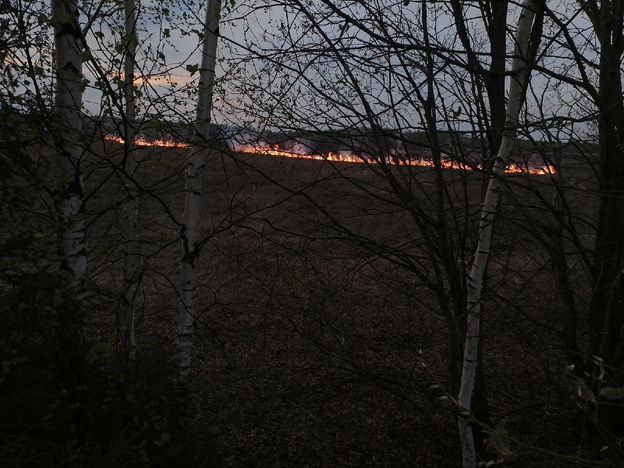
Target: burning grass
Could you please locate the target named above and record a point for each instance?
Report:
(345, 157)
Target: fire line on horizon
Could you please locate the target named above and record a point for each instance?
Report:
(512, 168)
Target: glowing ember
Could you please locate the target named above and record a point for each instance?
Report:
(142, 141)
(513, 168)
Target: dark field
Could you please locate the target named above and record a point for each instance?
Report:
(320, 339)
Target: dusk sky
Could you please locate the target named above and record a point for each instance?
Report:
(170, 86)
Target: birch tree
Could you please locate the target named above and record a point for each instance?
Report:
(69, 197)
(527, 38)
(190, 254)
(130, 258)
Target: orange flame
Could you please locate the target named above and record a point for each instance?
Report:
(142, 141)
(513, 168)
(543, 170)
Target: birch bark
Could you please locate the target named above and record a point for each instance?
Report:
(69, 191)
(517, 90)
(188, 289)
(130, 258)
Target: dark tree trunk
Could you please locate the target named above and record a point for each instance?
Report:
(606, 317)
(495, 81)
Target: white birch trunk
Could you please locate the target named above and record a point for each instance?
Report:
(69, 193)
(188, 289)
(130, 258)
(517, 87)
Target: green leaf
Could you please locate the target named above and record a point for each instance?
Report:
(583, 391)
(499, 438)
(83, 85)
(85, 55)
(192, 69)
(612, 393)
